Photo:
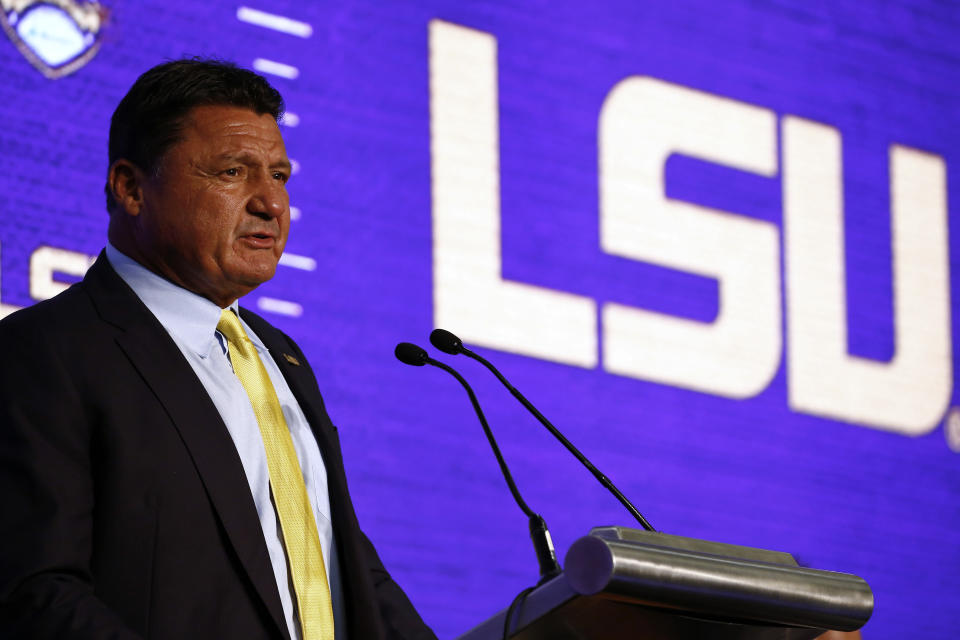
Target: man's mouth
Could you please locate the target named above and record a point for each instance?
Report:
(259, 240)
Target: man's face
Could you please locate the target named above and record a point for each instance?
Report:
(215, 217)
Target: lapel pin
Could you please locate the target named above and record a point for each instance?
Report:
(289, 358)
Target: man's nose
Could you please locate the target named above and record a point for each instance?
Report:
(269, 197)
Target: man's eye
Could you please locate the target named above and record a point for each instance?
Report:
(281, 176)
(232, 172)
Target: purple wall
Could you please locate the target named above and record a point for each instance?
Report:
(841, 494)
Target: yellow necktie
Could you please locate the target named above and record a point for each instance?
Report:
(300, 537)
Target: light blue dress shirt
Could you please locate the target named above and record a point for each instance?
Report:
(191, 320)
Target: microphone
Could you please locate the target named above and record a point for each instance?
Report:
(414, 355)
(449, 343)
(411, 354)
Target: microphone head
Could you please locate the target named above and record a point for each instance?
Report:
(411, 354)
(446, 341)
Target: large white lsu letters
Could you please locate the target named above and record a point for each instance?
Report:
(642, 123)
(910, 393)
(469, 293)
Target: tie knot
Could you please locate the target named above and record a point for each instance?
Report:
(230, 327)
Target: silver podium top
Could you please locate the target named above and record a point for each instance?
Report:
(711, 578)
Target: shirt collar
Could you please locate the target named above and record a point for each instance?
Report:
(190, 318)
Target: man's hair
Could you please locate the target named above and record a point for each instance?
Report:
(151, 117)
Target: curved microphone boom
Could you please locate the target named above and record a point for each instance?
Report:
(449, 343)
(414, 355)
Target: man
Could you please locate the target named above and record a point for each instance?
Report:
(167, 468)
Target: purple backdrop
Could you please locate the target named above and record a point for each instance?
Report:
(839, 494)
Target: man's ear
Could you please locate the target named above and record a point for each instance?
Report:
(125, 181)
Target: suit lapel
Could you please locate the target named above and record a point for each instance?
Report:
(164, 369)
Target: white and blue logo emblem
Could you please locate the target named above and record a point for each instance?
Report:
(56, 36)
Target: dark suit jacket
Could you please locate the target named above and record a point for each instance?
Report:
(124, 508)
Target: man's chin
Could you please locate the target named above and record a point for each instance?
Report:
(238, 283)
(255, 275)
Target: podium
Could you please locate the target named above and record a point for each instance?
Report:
(621, 584)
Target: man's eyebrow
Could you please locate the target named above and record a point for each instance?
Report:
(247, 158)
(229, 155)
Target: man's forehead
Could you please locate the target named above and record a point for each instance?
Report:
(227, 129)
(230, 120)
